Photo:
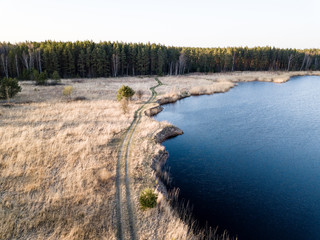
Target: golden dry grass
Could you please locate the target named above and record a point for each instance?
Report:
(57, 169)
(58, 160)
(200, 83)
(93, 89)
(248, 76)
(161, 222)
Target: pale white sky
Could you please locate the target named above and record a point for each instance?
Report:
(197, 23)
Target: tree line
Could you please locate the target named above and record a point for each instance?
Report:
(87, 59)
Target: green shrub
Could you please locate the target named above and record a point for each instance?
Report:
(42, 78)
(55, 75)
(148, 198)
(34, 75)
(125, 92)
(9, 87)
(67, 91)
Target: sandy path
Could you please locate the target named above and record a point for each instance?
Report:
(126, 227)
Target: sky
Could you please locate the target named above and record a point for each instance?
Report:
(197, 23)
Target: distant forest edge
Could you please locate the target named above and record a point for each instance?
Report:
(88, 59)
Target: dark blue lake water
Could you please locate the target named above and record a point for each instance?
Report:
(249, 159)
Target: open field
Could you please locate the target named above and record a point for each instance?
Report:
(93, 89)
(57, 169)
(58, 157)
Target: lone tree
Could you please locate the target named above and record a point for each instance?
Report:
(9, 87)
(125, 92)
(40, 78)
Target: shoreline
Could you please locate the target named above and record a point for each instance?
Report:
(170, 131)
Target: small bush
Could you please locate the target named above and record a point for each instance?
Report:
(55, 77)
(43, 77)
(34, 75)
(9, 87)
(148, 198)
(125, 92)
(67, 91)
(40, 78)
(139, 94)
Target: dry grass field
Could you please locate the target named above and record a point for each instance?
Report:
(92, 89)
(57, 169)
(58, 157)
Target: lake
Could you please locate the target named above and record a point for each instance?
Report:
(249, 159)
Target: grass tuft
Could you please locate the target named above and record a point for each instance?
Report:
(148, 198)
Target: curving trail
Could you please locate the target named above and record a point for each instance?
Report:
(125, 211)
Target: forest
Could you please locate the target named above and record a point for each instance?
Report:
(87, 59)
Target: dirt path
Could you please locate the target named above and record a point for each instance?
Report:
(125, 211)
